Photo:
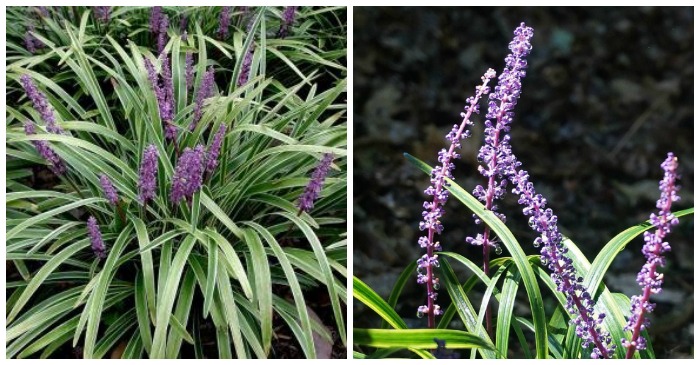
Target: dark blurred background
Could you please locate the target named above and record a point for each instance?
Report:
(608, 92)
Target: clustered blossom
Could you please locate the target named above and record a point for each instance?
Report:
(156, 14)
(163, 88)
(98, 245)
(434, 209)
(162, 32)
(245, 67)
(43, 11)
(313, 189)
(102, 13)
(579, 302)
(287, 21)
(205, 90)
(147, 174)
(41, 104)
(648, 278)
(31, 42)
(212, 158)
(188, 176)
(109, 190)
(189, 70)
(42, 147)
(496, 151)
(501, 166)
(224, 22)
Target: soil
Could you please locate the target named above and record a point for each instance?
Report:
(608, 92)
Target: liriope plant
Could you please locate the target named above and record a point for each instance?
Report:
(137, 230)
(587, 321)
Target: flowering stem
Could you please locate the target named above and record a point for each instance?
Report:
(654, 246)
(637, 327)
(583, 312)
(439, 185)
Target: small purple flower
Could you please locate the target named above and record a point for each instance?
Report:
(102, 13)
(30, 41)
(578, 300)
(287, 21)
(43, 11)
(162, 32)
(188, 176)
(109, 190)
(434, 209)
(147, 174)
(649, 278)
(156, 14)
(163, 88)
(224, 22)
(501, 164)
(56, 164)
(189, 70)
(98, 245)
(168, 108)
(205, 90)
(245, 67)
(313, 189)
(212, 158)
(496, 154)
(41, 104)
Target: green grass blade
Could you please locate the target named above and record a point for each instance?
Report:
(417, 338)
(41, 275)
(98, 295)
(263, 286)
(371, 299)
(167, 297)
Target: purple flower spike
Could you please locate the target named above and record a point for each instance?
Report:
(205, 91)
(496, 154)
(30, 41)
(579, 302)
(163, 88)
(98, 245)
(648, 278)
(56, 164)
(245, 67)
(109, 190)
(168, 108)
(224, 22)
(189, 70)
(41, 104)
(433, 209)
(43, 11)
(162, 32)
(188, 175)
(313, 189)
(287, 21)
(212, 158)
(102, 13)
(156, 14)
(147, 174)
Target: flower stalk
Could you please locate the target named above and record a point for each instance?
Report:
(495, 153)
(648, 278)
(433, 209)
